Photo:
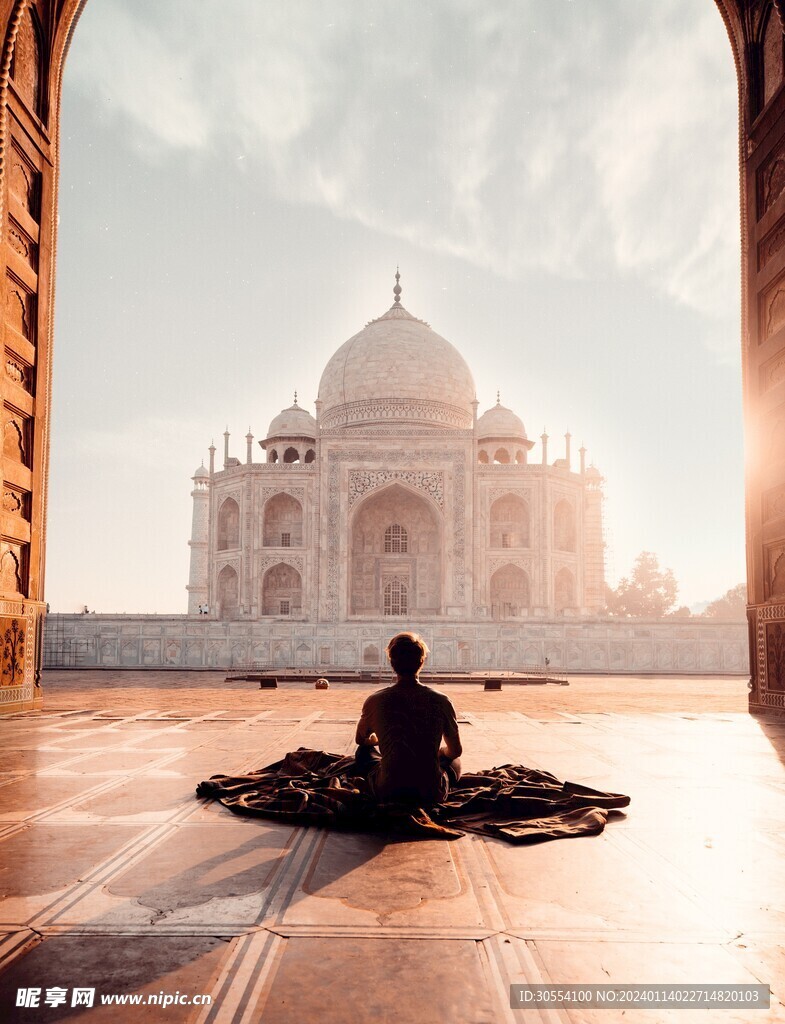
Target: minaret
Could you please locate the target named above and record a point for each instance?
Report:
(544, 439)
(197, 578)
(226, 448)
(582, 453)
(249, 444)
(567, 458)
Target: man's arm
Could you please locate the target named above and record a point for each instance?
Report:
(452, 738)
(365, 736)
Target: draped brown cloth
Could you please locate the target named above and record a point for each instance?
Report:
(515, 803)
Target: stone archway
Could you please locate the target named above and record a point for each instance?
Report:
(228, 593)
(228, 525)
(509, 522)
(510, 592)
(395, 547)
(282, 591)
(283, 522)
(29, 159)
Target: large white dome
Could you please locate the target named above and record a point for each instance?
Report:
(396, 368)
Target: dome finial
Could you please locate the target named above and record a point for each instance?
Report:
(498, 397)
(397, 289)
(295, 398)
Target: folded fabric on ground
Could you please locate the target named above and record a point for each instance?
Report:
(515, 803)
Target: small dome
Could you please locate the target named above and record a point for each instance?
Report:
(292, 422)
(593, 472)
(201, 473)
(500, 421)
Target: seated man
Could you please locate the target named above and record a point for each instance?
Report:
(409, 720)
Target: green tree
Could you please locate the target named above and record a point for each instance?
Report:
(732, 604)
(648, 593)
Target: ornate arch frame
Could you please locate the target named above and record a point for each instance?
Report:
(761, 138)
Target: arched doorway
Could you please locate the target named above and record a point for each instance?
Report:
(282, 591)
(510, 522)
(228, 593)
(564, 591)
(283, 522)
(36, 36)
(396, 544)
(228, 525)
(510, 592)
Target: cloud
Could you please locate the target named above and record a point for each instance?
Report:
(580, 140)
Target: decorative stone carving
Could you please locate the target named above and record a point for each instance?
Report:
(773, 309)
(14, 446)
(231, 563)
(23, 182)
(19, 372)
(771, 244)
(11, 568)
(13, 637)
(18, 304)
(295, 561)
(22, 244)
(775, 665)
(771, 183)
(295, 492)
(772, 56)
(235, 494)
(26, 66)
(775, 556)
(396, 409)
(518, 492)
(13, 501)
(363, 481)
(772, 372)
(498, 563)
(398, 430)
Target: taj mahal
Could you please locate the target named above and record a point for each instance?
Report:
(396, 501)
(396, 505)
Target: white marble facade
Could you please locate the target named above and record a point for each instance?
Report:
(396, 503)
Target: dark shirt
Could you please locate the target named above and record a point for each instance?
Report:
(409, 720)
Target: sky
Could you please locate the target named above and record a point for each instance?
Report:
(557, 182)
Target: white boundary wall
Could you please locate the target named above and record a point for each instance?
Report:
(681, 647)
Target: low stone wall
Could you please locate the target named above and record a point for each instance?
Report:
(598, 645)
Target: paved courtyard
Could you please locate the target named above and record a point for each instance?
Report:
(115, 878)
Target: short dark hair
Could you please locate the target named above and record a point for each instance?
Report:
(407, 652)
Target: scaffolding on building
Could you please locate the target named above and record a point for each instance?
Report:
(61, 650)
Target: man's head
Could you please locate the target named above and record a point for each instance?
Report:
(407, 652)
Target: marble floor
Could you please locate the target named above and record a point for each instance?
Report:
(115, 878)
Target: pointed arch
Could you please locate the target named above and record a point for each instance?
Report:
(228, 593)
(395, 531)
(282, 590)
(510, 522)
(564, 590)
(228, 534)
(510, 592)
(564, 529)
(283, 522)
